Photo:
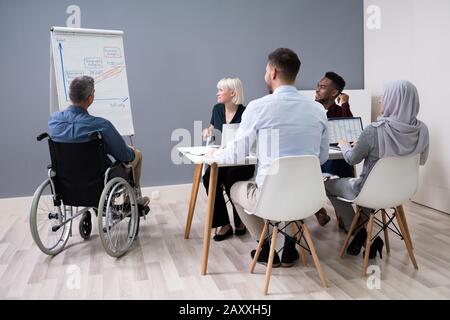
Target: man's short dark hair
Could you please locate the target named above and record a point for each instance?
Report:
(286, 62)
(81, 88)
(337, 80)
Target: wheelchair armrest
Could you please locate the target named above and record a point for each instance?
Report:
(42, 136)
(127, 165)
(117, 163)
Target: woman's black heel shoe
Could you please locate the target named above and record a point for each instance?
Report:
(377, 246)
(221, 237)
(358, 241)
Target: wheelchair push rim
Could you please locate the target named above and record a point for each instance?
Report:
(117, 217)
(45, 216)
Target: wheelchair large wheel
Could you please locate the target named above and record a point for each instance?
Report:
(117, 217)
(46, 221)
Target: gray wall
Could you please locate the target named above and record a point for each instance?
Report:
(176, 51)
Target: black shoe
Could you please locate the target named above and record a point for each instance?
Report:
(376, 246)
(358, 241)
(221, 237)
(290, 254)
(143, 206)
(240, 231)
(143, 211)
(322, 217)
(264, 256)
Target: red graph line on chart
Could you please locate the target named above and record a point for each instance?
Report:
(109, 74)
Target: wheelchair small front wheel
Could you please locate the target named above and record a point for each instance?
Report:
(48, 220)
(85, 226)
(118, 217)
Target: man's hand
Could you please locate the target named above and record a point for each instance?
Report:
(210, 153)
(343, 98)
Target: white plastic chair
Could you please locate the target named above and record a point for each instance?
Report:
(292, 191)
(391, 182)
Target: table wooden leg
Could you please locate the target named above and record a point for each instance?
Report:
(209, 214)
(192, 202)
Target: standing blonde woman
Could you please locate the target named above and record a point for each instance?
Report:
(229, 109)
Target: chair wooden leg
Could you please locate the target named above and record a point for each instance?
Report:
(349, 234)
(209, 214)
(405, 224)
(386, 232)
(407, 241)
(258, 249)
(314, 255)
(194, 192)
(368, 240)
(302, 251)
(270, 262)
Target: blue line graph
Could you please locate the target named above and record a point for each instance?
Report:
(62, 68)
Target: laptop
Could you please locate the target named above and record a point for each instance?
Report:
(228, 133)
(344, 128)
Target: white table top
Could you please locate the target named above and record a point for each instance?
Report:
(196, 155)
(334, 154)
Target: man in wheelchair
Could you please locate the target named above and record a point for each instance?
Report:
(82, 174)
(75, 125)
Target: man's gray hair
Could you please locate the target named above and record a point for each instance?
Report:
(81, 88)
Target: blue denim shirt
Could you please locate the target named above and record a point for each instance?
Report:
(74, 125)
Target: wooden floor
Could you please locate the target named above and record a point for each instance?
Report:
(162, 265)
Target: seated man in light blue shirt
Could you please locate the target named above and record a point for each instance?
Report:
(75, 124)
(294, 125)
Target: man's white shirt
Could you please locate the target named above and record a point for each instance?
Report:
(282, 124)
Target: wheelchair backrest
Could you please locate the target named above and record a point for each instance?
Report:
(80, 169)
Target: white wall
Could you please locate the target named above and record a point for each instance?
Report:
(413, 43)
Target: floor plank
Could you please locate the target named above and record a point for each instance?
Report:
(163, 265)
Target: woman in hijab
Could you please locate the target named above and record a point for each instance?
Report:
(397, 133)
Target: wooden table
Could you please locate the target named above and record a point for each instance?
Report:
(194, 154)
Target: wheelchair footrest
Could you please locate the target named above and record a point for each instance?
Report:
(144, 211)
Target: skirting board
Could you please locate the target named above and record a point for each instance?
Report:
(168, 193)
(176, 192)
(433, 197)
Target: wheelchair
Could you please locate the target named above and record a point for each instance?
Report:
(82, 175)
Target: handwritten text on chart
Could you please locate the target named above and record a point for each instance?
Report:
(112, 52)
(93, 63)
